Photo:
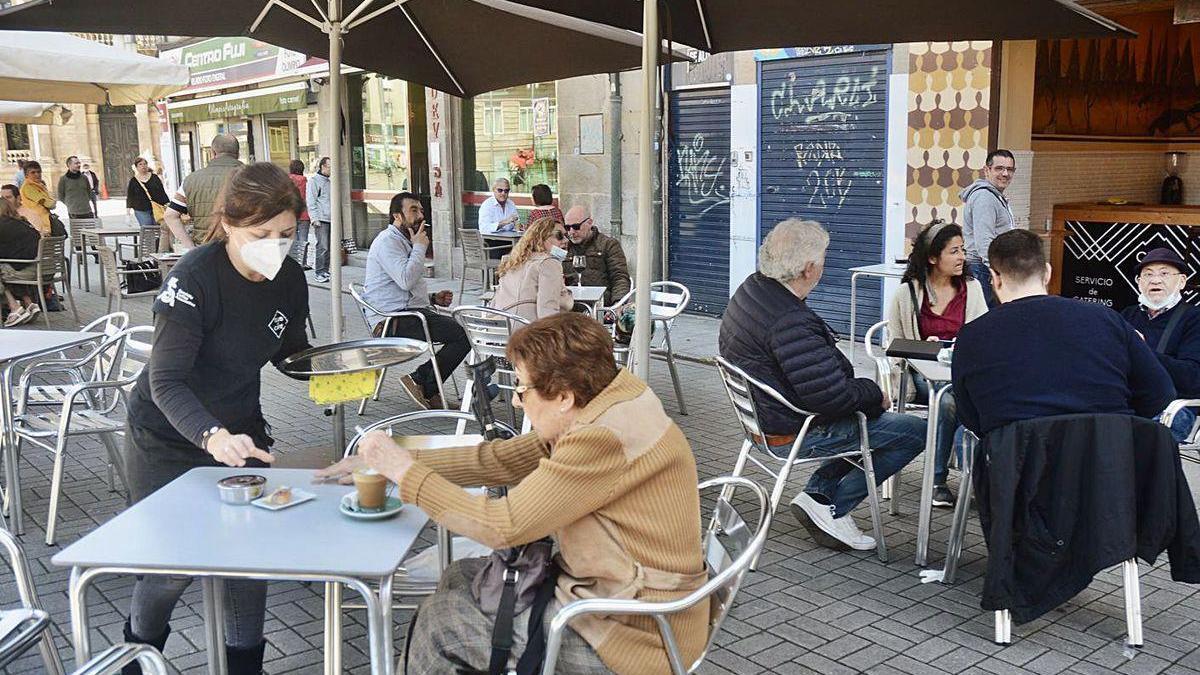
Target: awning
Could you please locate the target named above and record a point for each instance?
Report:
(21, 112)
(67, 69)
(281, 98)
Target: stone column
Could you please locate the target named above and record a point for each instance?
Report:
(443, 115)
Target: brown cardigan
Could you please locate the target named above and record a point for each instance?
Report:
(618, 493)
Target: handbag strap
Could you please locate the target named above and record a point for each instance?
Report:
(146, 190)
(534, 655)
(1171, 326)
(502, 632)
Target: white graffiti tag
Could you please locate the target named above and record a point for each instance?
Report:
(826, 185)
(822, 102)
(701, 178)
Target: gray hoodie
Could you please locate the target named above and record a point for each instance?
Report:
(319, 191)
(986, 215)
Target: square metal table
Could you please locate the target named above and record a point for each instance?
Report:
(938, 375)
(17, 346)
(882, 271)
(185, 529)
(592, 296)
(95, 238)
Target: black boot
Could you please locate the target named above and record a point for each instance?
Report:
(158, 643)
(247, 661)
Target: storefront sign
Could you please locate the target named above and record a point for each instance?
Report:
(1099, 259)
(223, 107)
(797, 52)
(224, 61)
(541, 117)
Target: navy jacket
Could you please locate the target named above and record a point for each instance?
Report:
(775, 337)
(1181, 353)
(1062, 498)
(1045, 355)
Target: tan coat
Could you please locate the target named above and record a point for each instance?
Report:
(617, 491)
(534, 290)
(902, 321)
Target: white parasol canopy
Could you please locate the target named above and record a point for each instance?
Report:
(36, 66)
(24, 112)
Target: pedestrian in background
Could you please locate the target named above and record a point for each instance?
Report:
(320, 190)
(145, 196)
(19, 177)
(300, 247)
(74, 191)
(94, 185)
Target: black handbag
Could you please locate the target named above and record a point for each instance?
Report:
(141, 276)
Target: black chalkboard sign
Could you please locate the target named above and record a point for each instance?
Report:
(1099, 259)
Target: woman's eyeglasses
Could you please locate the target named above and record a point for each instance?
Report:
(559, 236)
(520, 390)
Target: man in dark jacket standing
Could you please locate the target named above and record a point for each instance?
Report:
(603, 255)
(770, 332)
(1170, 326)
(75, 192)
(1038, 355)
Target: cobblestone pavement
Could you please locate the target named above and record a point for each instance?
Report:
(806, 609)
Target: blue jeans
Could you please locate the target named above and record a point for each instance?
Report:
(300, 245)
(895, 440)
(949, 432)
(1182, 425)
(983, 275)
(144, 218)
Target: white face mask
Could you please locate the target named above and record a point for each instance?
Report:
(1157, 306)
(558, 253)
(265, 256)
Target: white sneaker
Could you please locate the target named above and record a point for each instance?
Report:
(838, 533)
(32, 311)
(17, 317)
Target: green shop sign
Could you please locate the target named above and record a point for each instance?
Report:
(247, 106)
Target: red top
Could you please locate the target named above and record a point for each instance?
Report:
(301, 183)
(543, 211)
(947, 324)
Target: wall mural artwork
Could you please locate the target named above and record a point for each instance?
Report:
(948, 102)
(1138, 89)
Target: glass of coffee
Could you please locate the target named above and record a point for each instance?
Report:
(372, 489)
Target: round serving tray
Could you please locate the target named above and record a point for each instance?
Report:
(352, 357)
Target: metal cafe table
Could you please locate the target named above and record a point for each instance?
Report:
(882, 271)
(938, 375)
(185, 529)
(17, 345)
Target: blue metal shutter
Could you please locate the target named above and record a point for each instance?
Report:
(823, 152)
(698, 197)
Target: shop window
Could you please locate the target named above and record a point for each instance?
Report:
(16, 136)
(385, 133)
(239, 128)
(512, 133)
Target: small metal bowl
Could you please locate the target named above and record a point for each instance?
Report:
(241, 489)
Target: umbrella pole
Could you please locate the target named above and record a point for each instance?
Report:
(336, 201)
(645, 203)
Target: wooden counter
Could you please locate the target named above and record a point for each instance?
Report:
(1095, 247)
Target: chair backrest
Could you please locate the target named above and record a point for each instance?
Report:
(876, 341)
(741, 386)
(78, 225)
(730, 547)
(472, 246)
(358, 291)
(26, 590)
(402, 419)
(134, 357)
(109, 324)
(668, 299)
(148, 239)
(108, 267)
(52, 257)
(487, 329)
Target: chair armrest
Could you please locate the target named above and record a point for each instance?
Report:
(19, 260)
(112, 660)
(1168, 415)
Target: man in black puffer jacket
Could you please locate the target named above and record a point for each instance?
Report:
(770, 332)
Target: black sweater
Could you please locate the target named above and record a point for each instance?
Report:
(1045, 355)
(135, 196)
(214, 330)
(18, 241)
(1181, 353)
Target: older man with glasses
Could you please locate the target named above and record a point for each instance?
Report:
(498, 212)
(986, 215)
(1170, 326)
(597, 258)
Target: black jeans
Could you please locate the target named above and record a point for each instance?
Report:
(443, 329)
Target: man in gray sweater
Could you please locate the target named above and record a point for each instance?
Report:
(320, 190)
(75, 191)
(986, 214)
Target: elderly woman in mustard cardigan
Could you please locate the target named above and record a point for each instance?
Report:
(933, 302)
(605, 472)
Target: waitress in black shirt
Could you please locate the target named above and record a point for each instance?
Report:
(227, 308)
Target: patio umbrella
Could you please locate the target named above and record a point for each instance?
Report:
(729, 25)
(23, 112)
(463, 47)
(36, 66)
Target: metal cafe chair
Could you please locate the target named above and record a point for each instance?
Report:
(668, 299)
(1189, 449)
(488, 331)
(114, 659)
(476, 255)
(89, 408)
(33, 624)
(741, 388)
(405, 586)
(51, 267)
(357, 291)
(111, 272)
(99, 369)
(80, 250)
(730, 549)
